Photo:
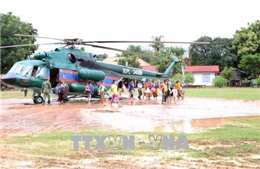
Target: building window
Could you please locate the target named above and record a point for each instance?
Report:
(206, 78)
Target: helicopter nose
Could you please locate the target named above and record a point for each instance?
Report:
(9, 79)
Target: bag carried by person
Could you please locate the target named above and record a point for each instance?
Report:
(61, 89)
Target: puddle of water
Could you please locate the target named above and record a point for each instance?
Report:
(188, 116)
(198, 125)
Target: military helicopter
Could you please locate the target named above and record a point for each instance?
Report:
(76, 67)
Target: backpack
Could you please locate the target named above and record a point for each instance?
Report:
(62, 89)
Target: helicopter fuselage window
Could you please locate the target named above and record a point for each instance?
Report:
(41, 72)
(34, 71)
(72, 58)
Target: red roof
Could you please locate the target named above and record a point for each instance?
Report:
(213, 68)
(150, 68)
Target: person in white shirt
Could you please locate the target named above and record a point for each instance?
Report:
(140, 87)
(174, 94)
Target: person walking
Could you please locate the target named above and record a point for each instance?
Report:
(114, 92)
(178, 87)
(174, 94)
(46, 90)
(131, 89)
(61, 92)
(140, 88)
(101, 92)
(164, 91)
(88, 92)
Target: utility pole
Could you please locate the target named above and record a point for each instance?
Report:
(183, 74)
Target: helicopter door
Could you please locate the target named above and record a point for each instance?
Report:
(54, 77)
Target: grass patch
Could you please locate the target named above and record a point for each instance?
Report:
(226, 93)
(15, 94)
(238, 139)
(237, 129)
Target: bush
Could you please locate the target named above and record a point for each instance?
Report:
(189, 78)
(220, 81)
(258, 81)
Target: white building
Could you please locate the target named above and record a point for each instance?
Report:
(203, 75)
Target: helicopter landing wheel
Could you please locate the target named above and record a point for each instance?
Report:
(38, 100)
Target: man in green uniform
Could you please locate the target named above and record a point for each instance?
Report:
(46, 90)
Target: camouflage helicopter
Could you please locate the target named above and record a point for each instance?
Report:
(76, 67)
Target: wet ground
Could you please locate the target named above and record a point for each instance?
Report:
(21, 116)
(189, 115)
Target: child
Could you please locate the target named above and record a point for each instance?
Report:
(182, 91)
(174, 94)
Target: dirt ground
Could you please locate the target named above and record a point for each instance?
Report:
(190, 115)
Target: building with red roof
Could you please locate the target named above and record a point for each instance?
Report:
(143, 64)
(149, 68)
(203, 75)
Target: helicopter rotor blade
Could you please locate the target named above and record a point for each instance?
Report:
(120, 50)
(36, 36)
(126, 51)
(24, 45)
(203, 43)
(84, 42)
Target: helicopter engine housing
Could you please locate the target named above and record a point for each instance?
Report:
(88, 74)
(40, 55)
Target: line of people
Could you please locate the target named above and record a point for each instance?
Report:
(145, 91)
(150, 90)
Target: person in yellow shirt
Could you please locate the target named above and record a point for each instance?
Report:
(101, 92)
(114, 92)
(164, 91)
(177, 86)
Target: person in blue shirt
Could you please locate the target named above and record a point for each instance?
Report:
(170, 84)
(89, 90)
(131, 89)
(92, 88)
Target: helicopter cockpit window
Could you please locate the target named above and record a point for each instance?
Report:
(12, 70)
(18, 68)
(27, 70)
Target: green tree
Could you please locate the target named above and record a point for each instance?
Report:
(176, 77)
(131, 61)
(157, 46)
(227, 73)
(218, 52)
(201, 53)
(11, 25)
(247, 40)
(251, 65)
(163, 61)
(189, 77)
